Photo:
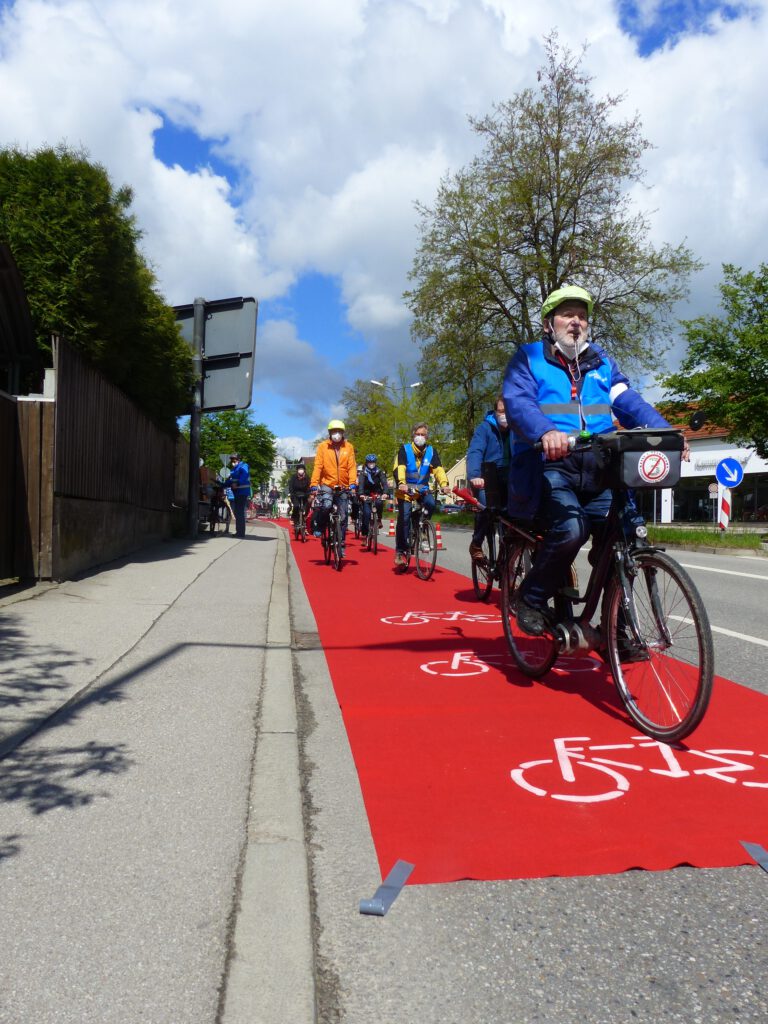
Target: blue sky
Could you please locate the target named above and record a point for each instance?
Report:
(278, 150)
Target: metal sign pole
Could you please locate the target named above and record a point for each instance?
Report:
(198, 341)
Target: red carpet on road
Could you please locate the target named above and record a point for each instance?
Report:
(470, 770)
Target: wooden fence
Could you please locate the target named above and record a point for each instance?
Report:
(94, 477)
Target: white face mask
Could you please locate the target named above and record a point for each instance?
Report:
(501, 419)
(336, 436)
(419, 440)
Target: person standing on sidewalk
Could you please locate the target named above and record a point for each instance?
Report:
(239, 480)
(490, 443)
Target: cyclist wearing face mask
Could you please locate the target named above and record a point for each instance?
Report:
(415, 465)
(373, 481)
(490, 443)
(335, 466)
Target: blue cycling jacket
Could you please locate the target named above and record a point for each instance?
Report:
(538, 397)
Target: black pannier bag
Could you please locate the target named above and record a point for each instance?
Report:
(642, 459)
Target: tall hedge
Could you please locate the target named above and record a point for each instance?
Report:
(76, 245)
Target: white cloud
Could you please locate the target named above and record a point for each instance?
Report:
(338, 115)
(295, 447)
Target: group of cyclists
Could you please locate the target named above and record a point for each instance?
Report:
(558, 386)
(361, 490)
(547, 470)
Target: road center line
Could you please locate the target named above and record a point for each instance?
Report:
(726, 572)
(726, 632)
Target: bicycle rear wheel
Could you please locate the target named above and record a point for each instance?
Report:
(425, 551)
(482, 572)
(665, 681)
(533, 655)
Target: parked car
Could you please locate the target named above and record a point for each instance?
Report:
(452, 508)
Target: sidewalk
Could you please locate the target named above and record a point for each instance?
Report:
(160, 613)
(59, 639)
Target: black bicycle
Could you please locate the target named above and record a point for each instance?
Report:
(371, 539)
(653, 628)
(332, 537)
(422, 546)
(220, 515)
(300, 520)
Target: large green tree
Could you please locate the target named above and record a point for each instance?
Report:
(546, 202)
(379, 419)
(76, 245)
(724, 372)
(222, 433)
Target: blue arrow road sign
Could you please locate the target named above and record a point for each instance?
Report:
(729, 472)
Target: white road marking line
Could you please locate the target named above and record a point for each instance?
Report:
(726, 632)
(726, 572)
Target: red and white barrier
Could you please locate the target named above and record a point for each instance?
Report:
(724, 506)
(439, 536)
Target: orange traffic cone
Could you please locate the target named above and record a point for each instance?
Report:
(439, 537)
(391, 528)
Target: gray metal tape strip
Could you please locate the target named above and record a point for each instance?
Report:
(758, 854)
(388, 891)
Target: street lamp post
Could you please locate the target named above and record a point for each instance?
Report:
(401, 391)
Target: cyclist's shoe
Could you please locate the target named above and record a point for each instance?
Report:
(426, 547)
(316, 533)
(343, 551)
(630, 651)
(531, 620)
(477, 553)
(400, 560)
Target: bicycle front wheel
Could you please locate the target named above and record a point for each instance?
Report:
(327, 545)
(338, 540)
(665, 679)
(482, 572)
(426, 549)
(373, 534)
(533, 655)
(225, 517)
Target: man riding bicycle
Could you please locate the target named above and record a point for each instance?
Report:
(372, 481)
(415, 464)
(490, 443)
(335, 466)
(298, 492)
(554, 387)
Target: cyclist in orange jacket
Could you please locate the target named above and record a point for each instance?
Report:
(335, 466)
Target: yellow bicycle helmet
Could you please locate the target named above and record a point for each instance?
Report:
(336, 425)
(561, 295)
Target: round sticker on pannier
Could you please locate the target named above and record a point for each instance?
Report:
(653, 467)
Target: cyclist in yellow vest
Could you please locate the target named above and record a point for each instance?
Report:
(415, 465)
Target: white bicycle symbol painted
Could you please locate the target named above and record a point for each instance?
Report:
(464, 663)
(470, 663)
(570, 760)
(420, 618)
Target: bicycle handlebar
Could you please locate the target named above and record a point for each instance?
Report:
(584, 441)
(466, 495)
